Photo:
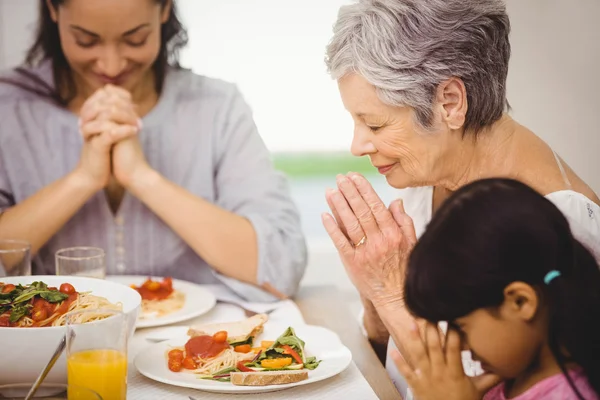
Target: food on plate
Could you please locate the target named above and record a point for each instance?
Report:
(265, 378)
(37, 305)
(159, 298)
(238, 332)
(225, 352)
(211, 348)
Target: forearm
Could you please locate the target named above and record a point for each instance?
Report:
(398, 321)
(226, 241)
(39, 217)
(377, 332)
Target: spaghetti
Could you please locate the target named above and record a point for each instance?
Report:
(159, 298)
(37, 305)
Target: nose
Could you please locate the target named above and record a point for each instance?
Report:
(111, 63)
(361, 142)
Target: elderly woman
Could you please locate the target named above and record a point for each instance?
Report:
(106, 141)
(425, 83)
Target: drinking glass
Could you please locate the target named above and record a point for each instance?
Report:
(15, 258)
(81, 261)
(97, 352)
(47, 391)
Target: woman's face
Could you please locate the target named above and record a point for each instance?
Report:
(110, 41)
(404, 152)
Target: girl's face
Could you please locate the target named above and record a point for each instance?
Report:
(507, 340)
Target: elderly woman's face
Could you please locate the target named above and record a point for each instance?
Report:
(398, 147)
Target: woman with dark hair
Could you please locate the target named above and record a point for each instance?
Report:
(106, 141)
(499, 263)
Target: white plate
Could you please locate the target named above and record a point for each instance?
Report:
(320, 342)
(198, 300)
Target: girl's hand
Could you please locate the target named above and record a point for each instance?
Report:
(438, 370)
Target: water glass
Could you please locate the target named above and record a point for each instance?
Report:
(15, 258)
(47, 391)
(97, 351)
(81, 261)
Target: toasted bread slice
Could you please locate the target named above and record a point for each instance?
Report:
(238, 331)
(266, 378)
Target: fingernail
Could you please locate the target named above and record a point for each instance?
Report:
(355, 178)
(341, 178)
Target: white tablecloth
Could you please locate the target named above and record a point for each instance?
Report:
(350, 384)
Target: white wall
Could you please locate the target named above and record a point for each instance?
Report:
(17, 19)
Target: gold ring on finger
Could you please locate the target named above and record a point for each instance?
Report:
(361, 242)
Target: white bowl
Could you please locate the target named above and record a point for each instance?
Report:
(26, 351)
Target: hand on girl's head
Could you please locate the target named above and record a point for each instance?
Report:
(432, 366)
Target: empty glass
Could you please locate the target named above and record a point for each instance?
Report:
(15, 258)
(47, 391)
(81, 261)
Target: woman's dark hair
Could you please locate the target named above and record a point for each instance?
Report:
(497, 231)
(46, 47)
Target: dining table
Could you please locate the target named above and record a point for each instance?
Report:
(321, 305)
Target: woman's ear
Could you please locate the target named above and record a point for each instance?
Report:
(521, 301)
(53, 11)
(166, 11)
(452, 98)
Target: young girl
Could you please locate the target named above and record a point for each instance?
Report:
(500, 264)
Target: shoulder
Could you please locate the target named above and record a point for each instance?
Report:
(187, 86)
(25, 83)
(583, 216)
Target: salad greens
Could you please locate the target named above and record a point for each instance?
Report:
(18, 300)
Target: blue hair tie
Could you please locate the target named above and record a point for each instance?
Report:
(550, 276)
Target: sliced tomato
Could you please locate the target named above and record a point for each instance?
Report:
(243, 348)
(240, 365)
(189, 363)
(288, 350)
(220, 337)
(8, 288)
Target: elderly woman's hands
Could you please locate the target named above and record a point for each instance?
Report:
(372, 240)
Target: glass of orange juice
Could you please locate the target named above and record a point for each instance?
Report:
(97, 352)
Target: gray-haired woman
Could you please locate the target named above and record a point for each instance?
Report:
(425, 83)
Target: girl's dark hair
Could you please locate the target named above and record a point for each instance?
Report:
(497, 231)
(46, 47)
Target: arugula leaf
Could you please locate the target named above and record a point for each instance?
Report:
(54, 296)
(311, 363)
(19, 312)
(289, 337)
(249, 341)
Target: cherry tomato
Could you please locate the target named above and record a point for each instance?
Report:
(220, 337)
(174, 365)
(9, 287)
(39, 315)
(189, 363)
(176, 354)
(67, 288)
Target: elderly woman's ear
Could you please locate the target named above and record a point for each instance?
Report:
(451, 99)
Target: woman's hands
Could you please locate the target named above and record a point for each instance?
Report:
(437, 371)
(373, 241)
(109, 125)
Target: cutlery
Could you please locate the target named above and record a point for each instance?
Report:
(57, 353)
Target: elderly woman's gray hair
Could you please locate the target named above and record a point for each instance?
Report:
(406, 48)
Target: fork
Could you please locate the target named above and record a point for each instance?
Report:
(248, 313)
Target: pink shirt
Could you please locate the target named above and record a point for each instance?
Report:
(554, 388)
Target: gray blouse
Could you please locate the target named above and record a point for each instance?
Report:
(201, 136)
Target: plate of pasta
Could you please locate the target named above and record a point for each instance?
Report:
(165, 300)
(33, 313)
(248, 356)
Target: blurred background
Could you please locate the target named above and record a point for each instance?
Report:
(274, 51)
